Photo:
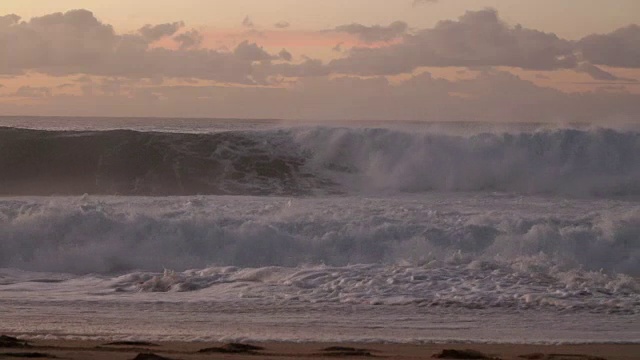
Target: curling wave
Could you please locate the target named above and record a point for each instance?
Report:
(303, 161)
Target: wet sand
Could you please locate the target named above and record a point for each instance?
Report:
(63, 349)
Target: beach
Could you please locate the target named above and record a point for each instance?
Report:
(73, 349)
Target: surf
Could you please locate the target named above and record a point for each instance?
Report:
(317, 160)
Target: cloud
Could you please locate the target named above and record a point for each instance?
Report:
(189, 40)
(83, 79)
(482, 39)
(54, 40)
(251, 52)
(32, 92)
(285, 55)
(307, 68)
(478, 38)
(375, 33)
(246, 22)
(490, 96)
(282, 25)
(8, 20)
(620, 48)
(152, 33)
(76, 42)
(599, 74)
(423, 2)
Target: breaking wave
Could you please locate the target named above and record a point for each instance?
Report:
(123, 234)
(475, 285)
(442, 252)
(318, 160)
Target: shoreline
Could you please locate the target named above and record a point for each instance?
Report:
(94, 349)
(100, 339)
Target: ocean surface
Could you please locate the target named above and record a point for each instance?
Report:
(194, 229)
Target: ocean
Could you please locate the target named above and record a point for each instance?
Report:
(219, 230)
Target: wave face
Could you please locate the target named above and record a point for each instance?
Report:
(124, 162)
(299, 161)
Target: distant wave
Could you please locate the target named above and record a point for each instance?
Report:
(302, 161)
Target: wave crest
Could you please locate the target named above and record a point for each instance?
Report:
(568, 162)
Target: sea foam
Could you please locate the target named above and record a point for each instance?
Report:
(119, 234)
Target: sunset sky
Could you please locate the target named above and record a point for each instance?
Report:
(459, 60)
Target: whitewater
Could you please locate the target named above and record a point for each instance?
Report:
(217, 230)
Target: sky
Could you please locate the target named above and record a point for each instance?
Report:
(431, 60)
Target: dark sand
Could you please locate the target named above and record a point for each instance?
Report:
(54, 349)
